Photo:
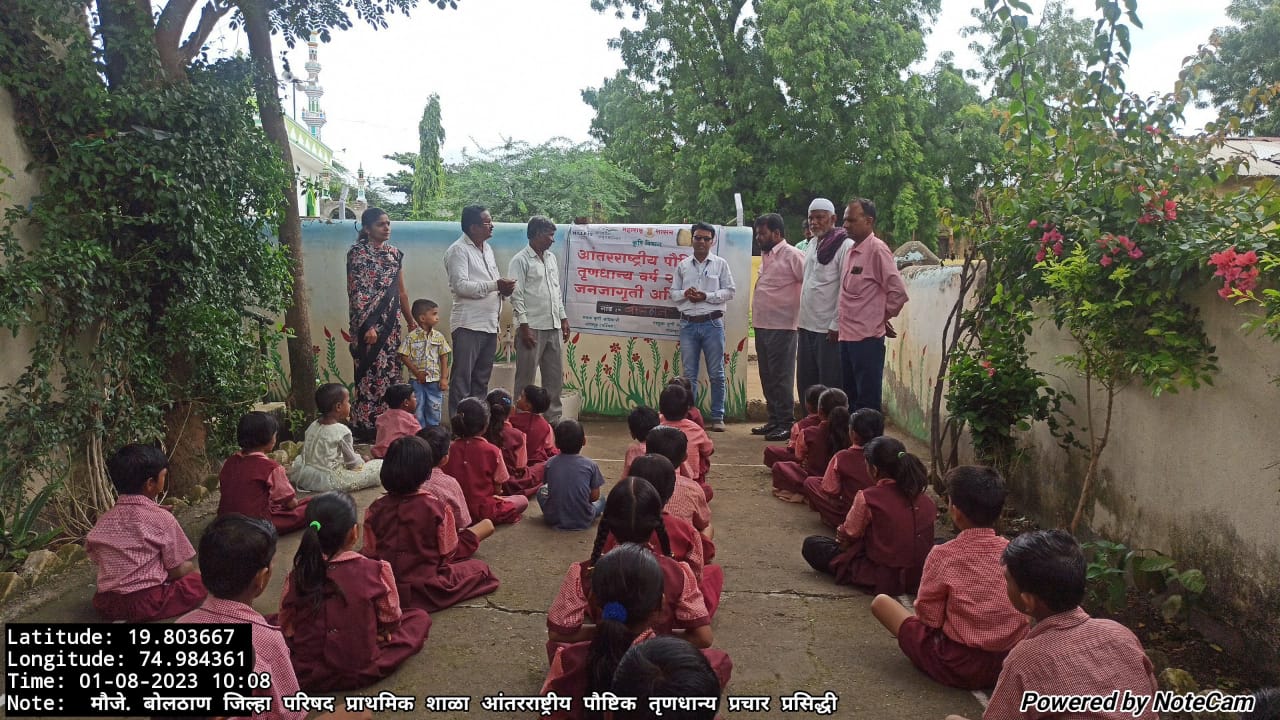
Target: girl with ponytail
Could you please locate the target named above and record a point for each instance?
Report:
(500, 432)
(832, 494)
(882, 543)
(814, 447)
(341, 611)
(627, 584)
(479, 468)
(632, 514)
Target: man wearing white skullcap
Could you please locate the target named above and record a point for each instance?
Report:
(817, 357)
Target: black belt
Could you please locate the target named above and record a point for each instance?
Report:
(702, 318)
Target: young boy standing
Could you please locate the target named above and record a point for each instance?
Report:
(1066, 652)
(146, 568)
(570, 499)
(964, 624)
(424, 351)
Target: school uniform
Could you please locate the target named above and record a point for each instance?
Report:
(689, 503)
(446, 488)
(568, 675)
(689, 547)
(964, 624)
(336, 647)
(700, 448)
(634, 450)
(889, 536)
(813, 452)
(683, 606)
(391, 426)
(135, 544)
(515, 455)
(539, 436)
(787, 453)
(416, 535)
(270, 652)
(255, 485)
(1070, 653)
(695, 415)
(479, 469)
(832, 495)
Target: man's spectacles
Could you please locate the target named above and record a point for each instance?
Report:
(704, 238)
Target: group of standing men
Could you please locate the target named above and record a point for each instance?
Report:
(822, 314)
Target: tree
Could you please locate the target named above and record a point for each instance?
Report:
(1245, 57)
(557, 178)
(961, 139)
(781, 105)
(1057, 51)
(401, 181)
(428, 169)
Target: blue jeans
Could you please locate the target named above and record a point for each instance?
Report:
(863, 365)
(430, 399)
(705, 339)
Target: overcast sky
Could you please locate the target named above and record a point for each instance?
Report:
(516, 68)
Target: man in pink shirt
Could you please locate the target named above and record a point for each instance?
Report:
(871, 293)
(775, 313)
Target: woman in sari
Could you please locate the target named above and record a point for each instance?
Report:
(375, 291)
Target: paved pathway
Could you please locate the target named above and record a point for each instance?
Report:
(786, 627)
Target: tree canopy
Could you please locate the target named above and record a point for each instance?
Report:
(1246, 56)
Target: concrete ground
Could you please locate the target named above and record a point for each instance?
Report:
(786, 627)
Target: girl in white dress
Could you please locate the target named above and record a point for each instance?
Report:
(328, 460)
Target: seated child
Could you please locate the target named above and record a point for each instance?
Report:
(832, 494)
(512, 443)
(340, 611)
(398, 420)
(692, 412)
(814, 447)
(477, 464)
(442, 485)
(687, 501)
(570, 499)
(328, 460)
(882, 544)
(686, 544)
(665, 667)
(632, 514)
(145, 568)
(674, 404)
(236, 553)
(775, 453)
(964, 625)
(539, 442)
(425, 353)
(253, 484)
(627, 583)
(414, 531)
(640, 421)
(1066, 652)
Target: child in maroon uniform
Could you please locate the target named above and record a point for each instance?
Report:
(674, 404)
(640, 421)
(253, 484)
(632, 513)
(539, 442)
(626, 584)
(774, 453)
(814, 447)
(691, 411)
(665, 667)
(685, 501)
(477, 465)
(832, 494)
(884, 540)
(414, 531)
(398, 420)
(964, 624)
(512, 443)
(341, 611)
(145, 568)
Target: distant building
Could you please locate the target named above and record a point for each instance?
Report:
(1261, 155)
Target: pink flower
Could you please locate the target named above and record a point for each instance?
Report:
(1105, 261)
(991, 370)
(585, 360)
(1152, 130)
(1170, 210)
(1142, 188)
(1225, 292)
(1033, 224)
(635, 358)
(1248, 258)
(1057, 249)
(1040, 255)
(608, 370)
(615, 348)
(1135, 253)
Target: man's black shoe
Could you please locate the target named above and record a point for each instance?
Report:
(764, 429)
(779, 434)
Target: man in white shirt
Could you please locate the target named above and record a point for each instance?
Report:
(538, 311)
(702, 287)
(477, 299)
(817, 357)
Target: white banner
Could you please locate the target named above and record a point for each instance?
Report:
(618, 278)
